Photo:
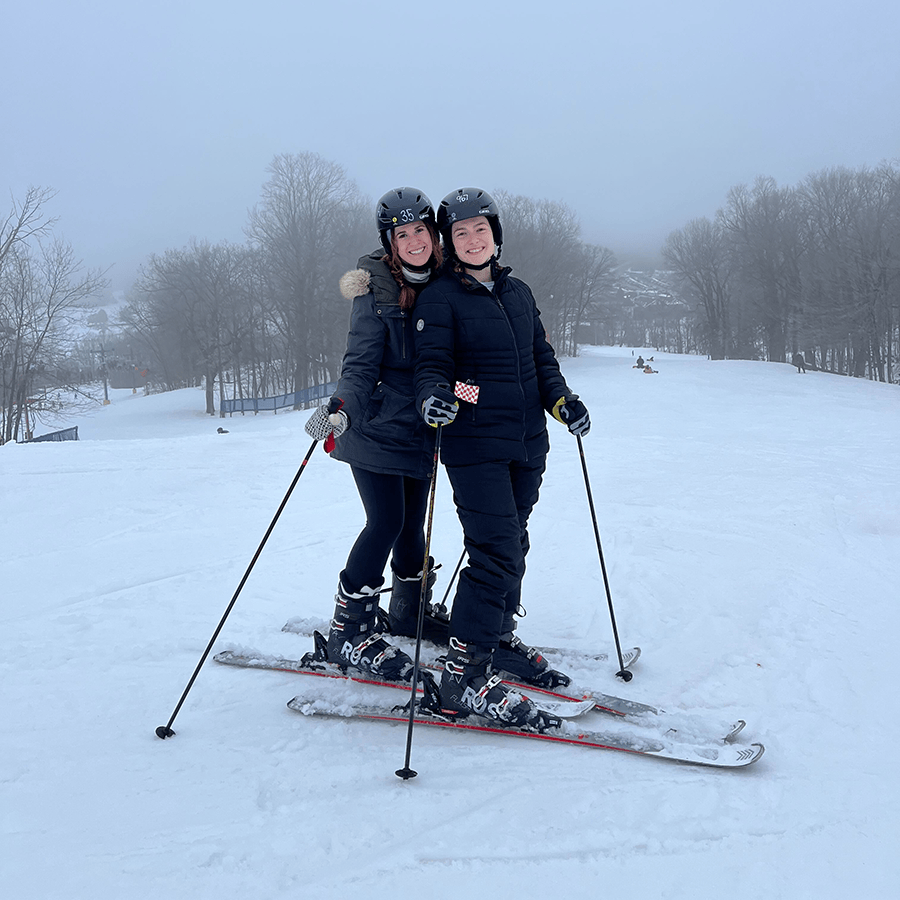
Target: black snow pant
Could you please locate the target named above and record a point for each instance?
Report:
(395, 516)
(494, 501)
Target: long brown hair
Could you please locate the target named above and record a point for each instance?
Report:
(395, 264)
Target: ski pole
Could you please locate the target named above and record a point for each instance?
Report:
(442, 606)
(406, 772)
(623, 673)
(165, 731)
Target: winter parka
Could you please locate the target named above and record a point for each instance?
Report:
(494, 339)
(386, 433)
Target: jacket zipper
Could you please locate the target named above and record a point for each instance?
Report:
(518, 366)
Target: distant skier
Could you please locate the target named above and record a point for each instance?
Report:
(640, 363)
(798, 360)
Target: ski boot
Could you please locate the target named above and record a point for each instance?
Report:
(354, 640)
(403, 611)
(525, 663)
(467, 686)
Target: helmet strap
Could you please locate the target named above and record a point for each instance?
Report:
(483, 265)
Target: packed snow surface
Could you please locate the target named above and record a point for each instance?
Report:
(750, 520)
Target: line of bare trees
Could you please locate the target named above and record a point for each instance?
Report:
(571, 279)
(266, 318)
(256, 319)
(42, 285)
(813, 268)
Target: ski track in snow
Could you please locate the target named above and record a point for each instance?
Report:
(750, 522)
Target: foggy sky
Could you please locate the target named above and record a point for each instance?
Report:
(156, 124)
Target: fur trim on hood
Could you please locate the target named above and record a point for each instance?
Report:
(355, 283)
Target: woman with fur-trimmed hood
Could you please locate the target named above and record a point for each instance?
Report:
(378, 431)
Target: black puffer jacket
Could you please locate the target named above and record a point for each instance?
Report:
(386, 431)
(495, 340)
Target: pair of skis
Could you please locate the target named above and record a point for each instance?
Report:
(633, 727)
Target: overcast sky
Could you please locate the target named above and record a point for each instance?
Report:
(155, 122)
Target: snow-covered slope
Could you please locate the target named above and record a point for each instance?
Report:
(750, 519)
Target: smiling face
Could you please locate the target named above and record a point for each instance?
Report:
(473, 241)
(414, 243)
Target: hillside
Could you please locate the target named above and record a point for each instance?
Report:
(750, 519)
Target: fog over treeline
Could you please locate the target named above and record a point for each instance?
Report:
(812, 268)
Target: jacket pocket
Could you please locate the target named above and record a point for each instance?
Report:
(399, 340)
(390, 413)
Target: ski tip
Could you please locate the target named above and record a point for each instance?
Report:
(735, 730)
(731, 756)
(745, 756)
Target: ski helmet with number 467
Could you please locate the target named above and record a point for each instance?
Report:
(468, 203)
(401, 206)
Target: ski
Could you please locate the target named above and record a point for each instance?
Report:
(560, 705)
(576, 733)
(559, 657)
(640, 713)
(634, 710)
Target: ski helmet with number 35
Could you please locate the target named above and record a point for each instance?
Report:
(468, 203)
(401, 206)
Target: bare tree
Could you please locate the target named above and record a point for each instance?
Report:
(851, 276)
(764, 229)
(193, 306)
(698, 254)
(41, 284)
(591, 282)
(541, 240)
(310, 214)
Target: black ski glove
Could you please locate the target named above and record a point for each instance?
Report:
(441, 407)
(573, 414)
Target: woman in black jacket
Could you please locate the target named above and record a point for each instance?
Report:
(479, 330)
(377, 430)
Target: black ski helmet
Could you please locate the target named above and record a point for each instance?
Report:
(400, 207)
(467, 203)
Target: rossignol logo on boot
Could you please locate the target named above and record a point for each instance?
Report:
(471, 699)
(350, 654)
